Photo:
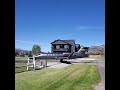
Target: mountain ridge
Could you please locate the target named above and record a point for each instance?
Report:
(92, 49)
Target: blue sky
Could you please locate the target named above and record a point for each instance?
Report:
(43, 21)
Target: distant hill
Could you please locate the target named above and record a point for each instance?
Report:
(21, 50)
(97, 49)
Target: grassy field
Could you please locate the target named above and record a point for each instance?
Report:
(73, 77)
(87, 61)
(20, 68)
(21, 58)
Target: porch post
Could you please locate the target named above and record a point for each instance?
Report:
(46, 63)
(34, 62)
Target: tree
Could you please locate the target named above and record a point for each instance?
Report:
(16, 53)
(26, 53)
(22, 55)
(36, 49)
(30, 54)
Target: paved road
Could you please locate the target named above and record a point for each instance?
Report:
(57, 65)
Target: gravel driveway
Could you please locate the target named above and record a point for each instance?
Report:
(56, 65)
(101, 68)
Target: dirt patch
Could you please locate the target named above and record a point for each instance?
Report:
(100, 86)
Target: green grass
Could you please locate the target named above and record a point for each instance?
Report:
(87, 61)
(73, 77)
(21, 58)
(21, 68)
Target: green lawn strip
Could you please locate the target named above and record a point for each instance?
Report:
(21, 68)
(87, 61)
(21, 58)
(73, 77)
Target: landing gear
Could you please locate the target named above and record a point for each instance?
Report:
(61, 60)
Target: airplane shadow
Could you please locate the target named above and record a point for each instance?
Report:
(66, 62)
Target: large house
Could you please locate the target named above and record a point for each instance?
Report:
(62, 46)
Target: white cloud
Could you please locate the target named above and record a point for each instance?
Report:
(88, 27)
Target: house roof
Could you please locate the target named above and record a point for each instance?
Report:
(72, 42)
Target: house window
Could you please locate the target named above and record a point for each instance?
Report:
(57, 46)
(61, 46)
(66, 46)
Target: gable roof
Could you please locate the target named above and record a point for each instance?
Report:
(72, 42)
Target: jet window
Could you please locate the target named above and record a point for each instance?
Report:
(61, 46)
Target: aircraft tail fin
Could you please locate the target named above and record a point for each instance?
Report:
(83, 49)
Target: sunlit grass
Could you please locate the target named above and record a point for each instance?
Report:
(73, 77)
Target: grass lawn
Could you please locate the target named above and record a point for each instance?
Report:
(87, 61)
(21, 68)
(21, 58)
(73, 77)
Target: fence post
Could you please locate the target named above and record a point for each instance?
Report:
(34, 62)
(28, 64)
(46, 63)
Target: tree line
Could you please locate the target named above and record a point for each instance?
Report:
(36, 49)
